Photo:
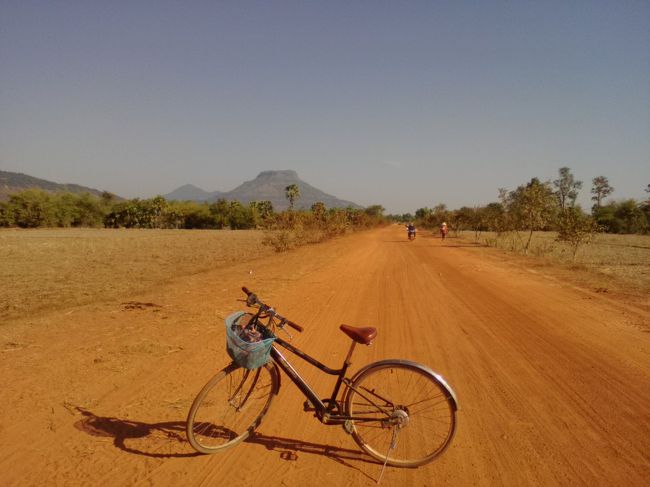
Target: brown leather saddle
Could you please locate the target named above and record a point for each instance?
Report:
(363, 335)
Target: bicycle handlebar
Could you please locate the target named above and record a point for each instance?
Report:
(253, 300)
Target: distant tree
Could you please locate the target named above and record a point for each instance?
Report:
(576, 228)
(88, 211)
(158, 207)
(32, 208)
(476, 220)
(566, 189)
(220, 211)
(240, 217)
(319, 210)
(126, 214)
(147, 213)
(107, 197)
(263, 209)
(6, 215)
(375, 211)
(606, 219)
(194, 215)
(439, 208)
(625, 216)
(600, 190)
(532, 207)
(631, 217)
(494, 217)
(439, 214)
(292, 192)
(137, 213)
(645, 208)
(178, 212)
(463, 218)
(64, 208)
(423, 213)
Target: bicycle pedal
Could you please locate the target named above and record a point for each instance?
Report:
(347, 427)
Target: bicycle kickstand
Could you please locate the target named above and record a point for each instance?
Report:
(392, 446)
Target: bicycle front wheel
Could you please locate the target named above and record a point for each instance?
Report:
(403, 413)
(230, 406)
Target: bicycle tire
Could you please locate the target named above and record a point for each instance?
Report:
(230, 406)
(406, 399)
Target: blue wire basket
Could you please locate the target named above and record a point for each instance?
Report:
(249, 355)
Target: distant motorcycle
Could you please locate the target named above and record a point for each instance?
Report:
(410, 229)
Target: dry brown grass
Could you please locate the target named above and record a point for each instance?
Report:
(618, 263)
(45, 269)
(55, 268)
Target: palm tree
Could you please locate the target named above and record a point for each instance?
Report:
(292, 192)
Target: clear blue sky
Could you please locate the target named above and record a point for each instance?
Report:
(403, 103)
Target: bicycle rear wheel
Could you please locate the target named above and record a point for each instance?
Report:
(230, 406)
(404, 413)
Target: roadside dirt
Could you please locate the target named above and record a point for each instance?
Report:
(553, 382)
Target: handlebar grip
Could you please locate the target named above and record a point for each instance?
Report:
(295, 326)
(245, 289)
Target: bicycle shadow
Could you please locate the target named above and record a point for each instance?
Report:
(137, 437)
(168, 440)
(289, 448)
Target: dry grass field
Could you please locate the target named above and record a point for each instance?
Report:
(619, 263)
(43, 269)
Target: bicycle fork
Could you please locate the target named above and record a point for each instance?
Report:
(239, 397)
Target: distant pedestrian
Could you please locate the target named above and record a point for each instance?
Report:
(443, 230)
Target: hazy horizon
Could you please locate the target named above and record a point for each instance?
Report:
(405, 105)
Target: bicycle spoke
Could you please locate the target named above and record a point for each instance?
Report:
(398, 396)
(229, 407)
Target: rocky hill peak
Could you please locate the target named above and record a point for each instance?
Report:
(281, 175)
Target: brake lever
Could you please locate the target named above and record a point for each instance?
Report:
(281, 326)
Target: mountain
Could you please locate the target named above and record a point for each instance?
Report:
(271, 185)
(189, 192)
(12, 182)
(268, 185)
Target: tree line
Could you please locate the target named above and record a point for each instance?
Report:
(37, 208)
(544, 205)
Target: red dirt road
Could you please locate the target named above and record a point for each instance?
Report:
(553, 382)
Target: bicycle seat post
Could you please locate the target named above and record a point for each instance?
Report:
(349, 356)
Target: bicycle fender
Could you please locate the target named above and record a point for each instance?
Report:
(416, 365)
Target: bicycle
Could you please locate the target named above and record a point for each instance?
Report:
(399, 412)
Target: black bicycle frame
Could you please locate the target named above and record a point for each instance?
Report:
(284, 364)
(323, 411)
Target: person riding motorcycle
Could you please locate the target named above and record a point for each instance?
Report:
(410, 230)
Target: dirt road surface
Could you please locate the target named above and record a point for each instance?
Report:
(553, 382)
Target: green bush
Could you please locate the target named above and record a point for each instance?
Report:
(32, 208)
(6, 215)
